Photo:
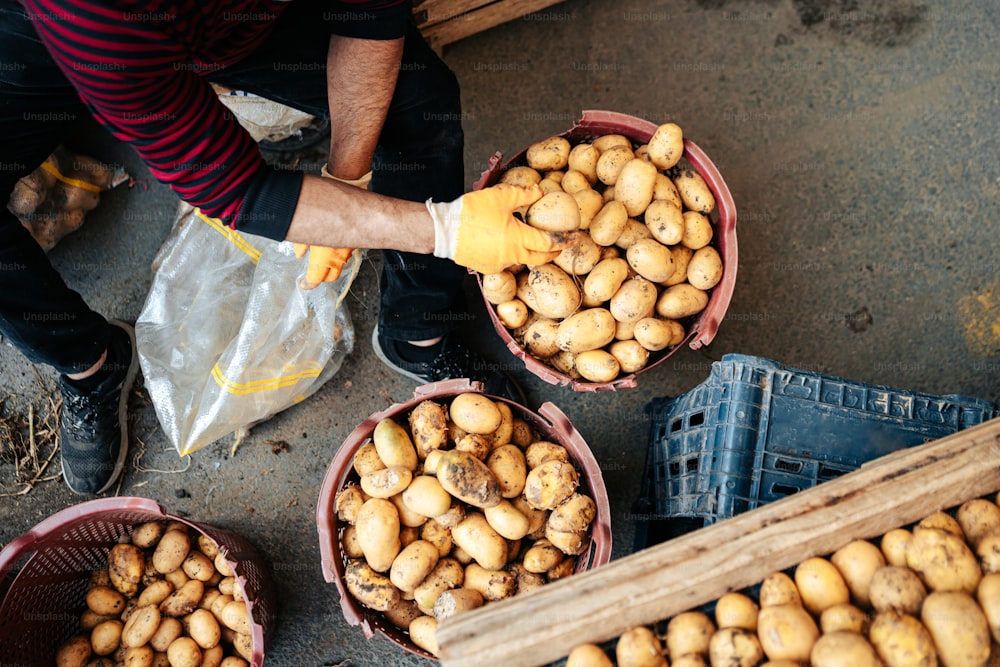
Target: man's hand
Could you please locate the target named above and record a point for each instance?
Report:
(326, 264)
(479, 231)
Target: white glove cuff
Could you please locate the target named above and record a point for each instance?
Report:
(446, 217)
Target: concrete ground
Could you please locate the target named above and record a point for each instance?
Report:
(859, 139)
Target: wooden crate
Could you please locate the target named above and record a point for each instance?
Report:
(443, 22)
(663, 580)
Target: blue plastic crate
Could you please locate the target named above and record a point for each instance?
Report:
(754, 432)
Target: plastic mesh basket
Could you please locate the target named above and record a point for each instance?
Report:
(702, 328)
(551, 424)
(755, 432)
(44, 575)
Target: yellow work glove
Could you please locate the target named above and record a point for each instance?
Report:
(325, 264)
(479, 231)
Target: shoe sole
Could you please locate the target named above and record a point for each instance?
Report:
(388, 362)
(127, 383)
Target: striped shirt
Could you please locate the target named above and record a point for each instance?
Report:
(139, 66)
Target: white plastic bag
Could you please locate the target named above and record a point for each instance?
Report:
(227, 339)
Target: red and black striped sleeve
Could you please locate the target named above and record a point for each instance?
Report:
(135, 77)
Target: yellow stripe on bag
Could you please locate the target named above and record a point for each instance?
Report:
(255, 386)
(231, 235)
(70, 181)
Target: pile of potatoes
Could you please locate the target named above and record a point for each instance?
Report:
(168, 598)
(643, 262)
(461, 505)
(917, 597)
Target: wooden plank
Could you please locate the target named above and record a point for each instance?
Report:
(666, 579)
(492, 15)
(429, 12)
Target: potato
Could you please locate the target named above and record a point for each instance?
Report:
(126, 565)
(521, 176)
(896, 588)
(736, 610)
(211, 657)
(570, 542)
(484, 544)
(423, 633)
(540, 338)
(347, 503)
(843, 617)
(978, 518)
(666, 146)
(988, 552)
(820, 585)
(698, 231)
(169, 630)
(243, 645)
(407, 517)
(605, 280)
(694, 192)
(611, 162)
(894, 545)
(75, 652)
(587, 329)
(689, 632)
(665, 222)
(507, 520)
(787, 632)
(630, 355)
(509, 466)
(547, 185)
(204, 629)
(902, 641)
(386, 482)
(583, 158)
(634, 300)
(106, 637)
(171, 551)
(588, 655)
(778, 589)
(512, 314)
(555, 212)
(455, 601)
(447, 574)
(651, 259)
(467, 478)
(554, 293)
(184, 652)
(548, 154)
(639, 647)
(198, 566)
(105, 601)
(958, 627)
(580, 258)
(542, 556)
(142, 656)
(551, 483)
(378, 533)
(693, 660)
(943, 561)
(426, 496)
(453, 516)
(634, 186)
(497, 288)
(843, 649)
(89, 619)
(704, 270)
(680, 301)
(633, 232)
(609, 223)
(178, 577)
(493, 585)
(475, 413)
(413, 564)
(943, 521)
(367, 460)
(735, 647)
(608, 141)
(857, 562)
(141, 626)
(654, 334)
(473, 443)
(574, 181)
(988, 596)
(590, 202)
(540, 451)
(402, 613)
(597, 366)
(184, 600)
(146, 535)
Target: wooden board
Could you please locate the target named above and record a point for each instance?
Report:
(443, 22)
(666, 579)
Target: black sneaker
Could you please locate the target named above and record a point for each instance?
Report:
(93, 434)
(452, 360)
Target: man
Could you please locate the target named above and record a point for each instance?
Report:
(143, 70)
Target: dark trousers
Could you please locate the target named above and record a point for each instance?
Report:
(420, 156)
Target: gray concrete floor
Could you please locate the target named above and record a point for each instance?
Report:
(859, 139)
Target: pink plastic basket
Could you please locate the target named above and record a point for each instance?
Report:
(701, 331)
(551, 424)
(44, 575)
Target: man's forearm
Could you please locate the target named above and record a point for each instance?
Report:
(361, 79)
(330, 213)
